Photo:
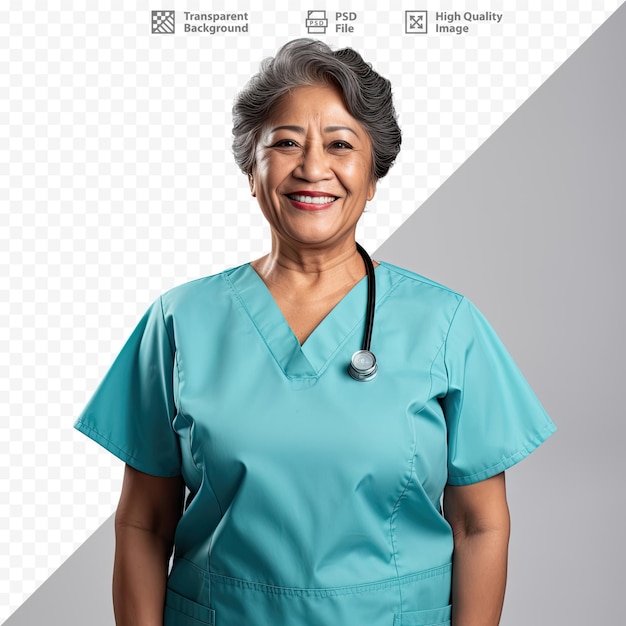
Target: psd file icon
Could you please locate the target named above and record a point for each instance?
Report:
(316, 22)
(416, 22)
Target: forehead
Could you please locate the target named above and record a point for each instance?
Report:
(311, 102)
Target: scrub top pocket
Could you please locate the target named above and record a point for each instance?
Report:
(429, 617)
(180, 611)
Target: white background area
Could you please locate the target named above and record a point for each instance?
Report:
(117, 182)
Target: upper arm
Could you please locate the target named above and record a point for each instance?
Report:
(151, 503)
(478, 507)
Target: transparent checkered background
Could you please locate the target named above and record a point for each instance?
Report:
(117, 183)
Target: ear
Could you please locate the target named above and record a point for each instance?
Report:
(252, 185)
(371, 190)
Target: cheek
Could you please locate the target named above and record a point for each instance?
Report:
(267, 175)
(358, 178)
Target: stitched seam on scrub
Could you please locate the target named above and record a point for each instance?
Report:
(528, 446)
(208, 565)
(204, 476)
(180, 412)
(86, 427)
(174, 352)
(418, 278)
(430, 376)
(169, 339)
(322, 592)
(239, 299)
(174, 355)
(121, 453)
(458, 425)
(380, 299)
(412, 417)
(394, 514)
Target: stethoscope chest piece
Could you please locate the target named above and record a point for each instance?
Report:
(363, 366)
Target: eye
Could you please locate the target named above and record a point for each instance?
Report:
(341, 145)
(285, 143)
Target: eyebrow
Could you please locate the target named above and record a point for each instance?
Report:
(328, 129)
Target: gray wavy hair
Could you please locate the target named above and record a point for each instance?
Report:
(367, 96)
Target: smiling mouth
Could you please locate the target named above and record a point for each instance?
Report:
(311, 199)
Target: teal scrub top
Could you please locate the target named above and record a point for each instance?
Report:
(314, 498)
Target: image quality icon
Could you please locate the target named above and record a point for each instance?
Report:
(416, 22)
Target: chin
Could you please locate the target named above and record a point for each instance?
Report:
(319, 240)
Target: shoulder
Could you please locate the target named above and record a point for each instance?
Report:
(417, 279)
(422, 290)
(198, 293)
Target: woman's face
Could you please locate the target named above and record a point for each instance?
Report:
(313, 172)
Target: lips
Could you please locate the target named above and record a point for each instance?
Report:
(311, 200)
(308, 199)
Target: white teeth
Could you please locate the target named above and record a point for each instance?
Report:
(312, 199)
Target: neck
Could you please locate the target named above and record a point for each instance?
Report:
(307, 266)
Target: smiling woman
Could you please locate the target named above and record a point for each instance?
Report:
(314, 493)
(312, 173)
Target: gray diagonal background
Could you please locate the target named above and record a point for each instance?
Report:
(529, 228)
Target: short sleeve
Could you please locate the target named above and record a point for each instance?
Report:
(493, 417)
(132, 411)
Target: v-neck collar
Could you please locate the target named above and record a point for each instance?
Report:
(311, 358)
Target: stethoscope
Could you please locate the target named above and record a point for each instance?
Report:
(363, 365)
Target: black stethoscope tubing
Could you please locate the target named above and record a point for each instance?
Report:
(363, 366)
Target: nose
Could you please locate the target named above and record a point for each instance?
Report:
(313, 164)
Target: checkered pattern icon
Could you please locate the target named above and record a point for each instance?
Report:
(163, 22)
